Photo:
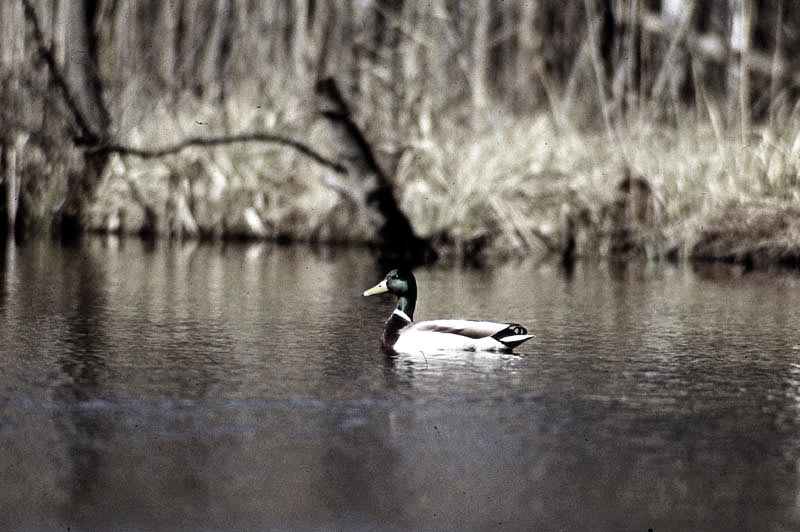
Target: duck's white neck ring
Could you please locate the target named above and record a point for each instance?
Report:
(402, 314)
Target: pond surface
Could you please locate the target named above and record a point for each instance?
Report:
(240, 387)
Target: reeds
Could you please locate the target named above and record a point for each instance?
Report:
(496, 189)
(247, 190)
(506, 186)
(518, 129)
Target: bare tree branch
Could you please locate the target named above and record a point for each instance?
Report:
(216, 141)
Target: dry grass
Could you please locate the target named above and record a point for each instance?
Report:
(479, 181)
(505, 186)
(598, 159)
(248, 190)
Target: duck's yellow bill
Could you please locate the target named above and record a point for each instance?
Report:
(377, 289)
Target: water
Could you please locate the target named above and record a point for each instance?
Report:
(239, 387)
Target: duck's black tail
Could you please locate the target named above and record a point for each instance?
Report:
(513, 335)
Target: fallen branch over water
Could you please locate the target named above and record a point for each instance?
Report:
(151, 153)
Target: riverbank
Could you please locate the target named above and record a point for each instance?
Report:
(512, 129)
(504, 187)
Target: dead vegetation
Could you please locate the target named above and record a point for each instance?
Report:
(623, 128)
(755, 235)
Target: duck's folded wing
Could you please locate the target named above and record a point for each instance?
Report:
(472, 328)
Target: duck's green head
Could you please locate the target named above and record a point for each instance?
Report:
(402, 284)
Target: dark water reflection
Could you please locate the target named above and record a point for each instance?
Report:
(188, 387)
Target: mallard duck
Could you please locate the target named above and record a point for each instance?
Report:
(402, 335)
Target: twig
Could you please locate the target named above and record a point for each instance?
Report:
(668, 64)
(744, 69)
(600, 76)
(777, 64)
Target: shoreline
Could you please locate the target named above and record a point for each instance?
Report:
(672, 194)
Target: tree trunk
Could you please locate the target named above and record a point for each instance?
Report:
(396, 238)
(83, 80)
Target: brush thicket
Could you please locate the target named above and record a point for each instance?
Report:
(514, 129)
